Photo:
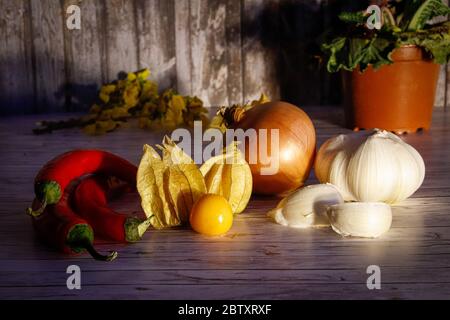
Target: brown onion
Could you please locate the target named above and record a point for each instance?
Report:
(297, 144)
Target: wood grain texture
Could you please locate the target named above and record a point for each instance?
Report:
(156, 40)
(16, 63)
(234, 52)
(83, 54)
(257, 259)
(440, 98)
(183, 47)
(441, 90)
(48, 41)
(120, 37)
(444, 87)
(447, 87)
(224, 51)
(208, 51)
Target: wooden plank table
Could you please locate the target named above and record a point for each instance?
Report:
(257, 259)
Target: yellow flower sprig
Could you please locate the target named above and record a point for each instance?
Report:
(135, 96)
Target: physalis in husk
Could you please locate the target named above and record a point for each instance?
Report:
(135, 96)
(168, 185)
(229, 175)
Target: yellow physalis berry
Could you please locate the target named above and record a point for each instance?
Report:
(211, 215)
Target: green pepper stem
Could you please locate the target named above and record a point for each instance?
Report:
(39, 211)
(135, 228)
(143, 226)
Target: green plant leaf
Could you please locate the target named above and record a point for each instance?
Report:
(350, 46)
(435, 40)
(352, 17)
(348, 54)
(427, 11)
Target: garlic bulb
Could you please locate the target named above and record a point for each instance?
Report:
(360, 219)
(307, 207)
(370, 166)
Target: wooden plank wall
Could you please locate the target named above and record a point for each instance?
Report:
(225, 51)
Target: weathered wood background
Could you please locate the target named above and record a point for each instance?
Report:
(224, 51)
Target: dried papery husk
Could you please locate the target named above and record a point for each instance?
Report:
(360, 219)
(370, 166)
(307, 207)
(168, 186)
(150, 185)
(229, 175)
(185, 181)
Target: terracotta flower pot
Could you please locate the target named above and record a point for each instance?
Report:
(397, 97)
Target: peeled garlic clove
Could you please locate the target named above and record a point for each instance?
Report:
(360, 219)
(307, 207)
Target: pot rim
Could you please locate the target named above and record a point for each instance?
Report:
(409, 52)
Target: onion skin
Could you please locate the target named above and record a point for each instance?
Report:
(297, 146)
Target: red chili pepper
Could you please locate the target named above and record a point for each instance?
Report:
(90, 202)
(52, 180)
(61, 228)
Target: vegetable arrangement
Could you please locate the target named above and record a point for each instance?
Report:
(405, 22)
(360, 173)
(369, 170)
(172, 188)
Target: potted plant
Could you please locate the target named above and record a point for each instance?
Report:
(390, 74)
